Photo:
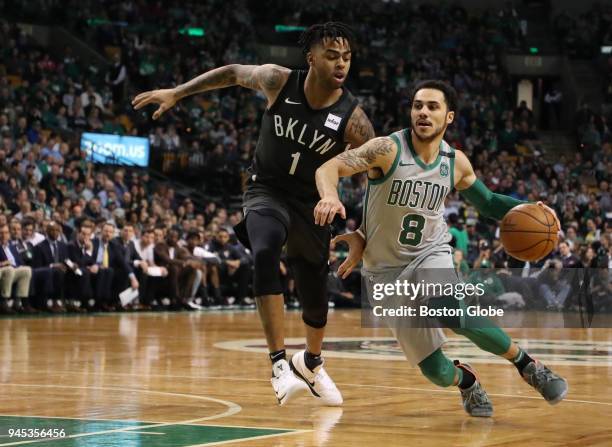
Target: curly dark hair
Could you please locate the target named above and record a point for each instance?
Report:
(330, 30)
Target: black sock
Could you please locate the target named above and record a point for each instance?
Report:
(467, 378)
(312, 360)
(522, 360)
(278, 355)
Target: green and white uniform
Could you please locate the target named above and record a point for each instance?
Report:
(404, 210)
(407, 237)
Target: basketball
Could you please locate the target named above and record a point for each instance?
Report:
(529, 232)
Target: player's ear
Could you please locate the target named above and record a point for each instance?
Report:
(309, 58)
(450, 117)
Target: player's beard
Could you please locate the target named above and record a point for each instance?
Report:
(430, 138)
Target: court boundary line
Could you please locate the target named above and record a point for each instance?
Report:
(134, 420)
(288, 431)
(239, 345)
(233, 408)
(360, 385)
(229, 441)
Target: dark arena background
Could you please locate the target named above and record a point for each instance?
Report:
(156, 340)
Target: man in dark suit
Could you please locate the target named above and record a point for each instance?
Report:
(114, 271)
(137, 265)
(181, 267)
(234, 269)
(49, 258)
(40, 278)
(13, 272)
(80, 253)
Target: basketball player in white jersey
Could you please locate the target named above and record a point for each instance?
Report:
(404, 237)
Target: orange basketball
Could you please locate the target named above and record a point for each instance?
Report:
(529, 232)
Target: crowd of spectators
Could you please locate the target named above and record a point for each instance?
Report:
(581, 35)
(161, 242)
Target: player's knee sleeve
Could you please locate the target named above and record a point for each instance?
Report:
(311, 284)
(491, 339)
(438, 368)
(267, 236)
(266, 280)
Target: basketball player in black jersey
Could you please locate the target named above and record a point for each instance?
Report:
(310, 118)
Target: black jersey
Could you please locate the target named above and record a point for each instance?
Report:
(295, 140)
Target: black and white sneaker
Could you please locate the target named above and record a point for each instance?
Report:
(285, 384)
(319, 383)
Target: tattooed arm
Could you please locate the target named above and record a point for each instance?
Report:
(377, 154)
(268, 79)
(358, 131)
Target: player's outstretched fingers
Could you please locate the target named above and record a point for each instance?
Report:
(333, 211)
(159, 112)
(554, 213)
(339, 210)
(345, 269)
(318, 213)
(356, 244)
(141, 100)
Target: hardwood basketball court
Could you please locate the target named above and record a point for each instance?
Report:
(191, 379)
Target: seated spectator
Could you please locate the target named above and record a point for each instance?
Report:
(49, 271)
(13, 272)
(181, 266)
(114, 272)
(568, 259)
(151, 277)
(80, 253)
(208, 265)
(29, 232)
(234, 270)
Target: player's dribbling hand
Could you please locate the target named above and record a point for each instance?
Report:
(356, 245)
(549, 209)
(164, 97)
(326, 210)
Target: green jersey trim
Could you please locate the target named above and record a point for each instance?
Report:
(416, 157)
(384, 178)
(452, 170)
(365, 210)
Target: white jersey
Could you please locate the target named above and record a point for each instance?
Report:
(404, 210)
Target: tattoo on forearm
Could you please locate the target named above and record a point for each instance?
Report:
(359, 128)
(217, 78)
(361, 159)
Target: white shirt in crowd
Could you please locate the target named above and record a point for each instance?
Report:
(146, 253)
(36, 238)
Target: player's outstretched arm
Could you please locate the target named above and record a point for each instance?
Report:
(376, 155)
(488, 203)
(268, 78)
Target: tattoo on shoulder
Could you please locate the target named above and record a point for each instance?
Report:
(359, 128)
(272, 79)
(362, 158)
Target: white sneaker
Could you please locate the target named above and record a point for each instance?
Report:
(319, 383)
(285, 384)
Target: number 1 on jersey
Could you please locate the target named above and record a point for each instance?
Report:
(296, 158)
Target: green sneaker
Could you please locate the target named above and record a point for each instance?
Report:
(551, 386)
(475, 400)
